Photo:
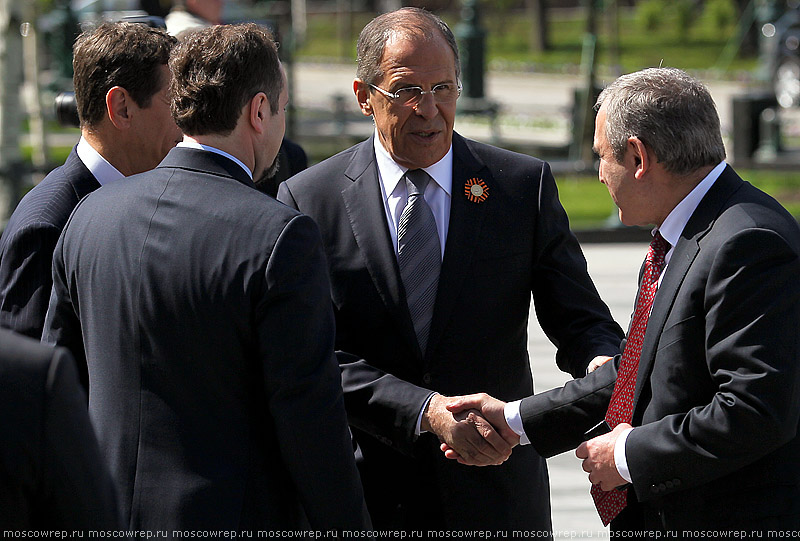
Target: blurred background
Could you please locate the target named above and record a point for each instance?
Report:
(531, 70)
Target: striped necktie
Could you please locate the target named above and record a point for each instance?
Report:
(419, 255)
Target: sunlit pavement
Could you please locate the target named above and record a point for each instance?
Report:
(614, 269)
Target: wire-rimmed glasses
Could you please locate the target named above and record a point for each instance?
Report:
(410, 96)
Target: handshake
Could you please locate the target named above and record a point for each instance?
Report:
(472, 429)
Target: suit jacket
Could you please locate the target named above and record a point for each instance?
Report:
(717, 397)
(53, 476)
(27, 244)
(202, 306)
(498, 252)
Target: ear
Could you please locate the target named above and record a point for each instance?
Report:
(259, 112)
(363, 95)
(641, 157)
(119, 107)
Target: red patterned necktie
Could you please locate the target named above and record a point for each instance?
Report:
(620, 409)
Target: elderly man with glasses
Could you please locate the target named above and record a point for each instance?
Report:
(435, 245)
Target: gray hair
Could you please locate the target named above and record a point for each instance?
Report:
(670, 112)
(405, 22)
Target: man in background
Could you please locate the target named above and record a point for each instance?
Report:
(121, 82)
(202, 308)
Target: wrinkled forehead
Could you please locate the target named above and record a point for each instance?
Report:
(409, 50)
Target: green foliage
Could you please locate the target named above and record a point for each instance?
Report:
(721, 13)
(508, 42)
(586, 201)
(650, 14)
(684, 16)
(501, 6)
(588, 204)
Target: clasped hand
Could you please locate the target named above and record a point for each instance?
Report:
(472, 429)
(598, 459)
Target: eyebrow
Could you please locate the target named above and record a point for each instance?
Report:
(417, 85)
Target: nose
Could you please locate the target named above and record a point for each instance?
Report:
(426, 107)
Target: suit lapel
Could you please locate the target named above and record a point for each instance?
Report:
(700, 223)
(363, 202)
(466, 221)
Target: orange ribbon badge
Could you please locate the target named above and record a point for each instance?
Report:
(476, 190)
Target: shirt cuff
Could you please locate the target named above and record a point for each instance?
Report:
(619, 456)
(418, 429)
(514, 420)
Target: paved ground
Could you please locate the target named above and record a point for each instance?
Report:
(614, 269)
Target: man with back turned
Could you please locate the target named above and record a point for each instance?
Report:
(202, 309)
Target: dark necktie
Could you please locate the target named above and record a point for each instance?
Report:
(419, 255)
(620, 409)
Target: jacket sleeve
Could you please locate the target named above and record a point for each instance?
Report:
(78, 489)
(25, 278)
(555, 421)
(62, 324)
(303, 381)
(568, 306)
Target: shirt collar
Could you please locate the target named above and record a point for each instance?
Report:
(97, 165)
(390, 173)
(200, 146)
(676, 221)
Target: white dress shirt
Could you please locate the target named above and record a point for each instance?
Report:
(395, 196)
(97, 165)
(671, 230)
(200, 146)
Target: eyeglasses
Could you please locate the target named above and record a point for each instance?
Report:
(410, 96)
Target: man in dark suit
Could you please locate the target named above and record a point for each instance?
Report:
(711, 373)
(120, 80)
(53, 476)
(202, 308)
(499, 234)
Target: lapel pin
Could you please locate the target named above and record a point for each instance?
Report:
(476, 190)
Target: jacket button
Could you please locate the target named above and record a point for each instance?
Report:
(676, 482)
(426, 379)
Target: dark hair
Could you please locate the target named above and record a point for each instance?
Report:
(405, 22)
(122, 54)
(670, 111)
(217, 70)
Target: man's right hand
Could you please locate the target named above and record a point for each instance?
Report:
(466, 432)
(494, 412)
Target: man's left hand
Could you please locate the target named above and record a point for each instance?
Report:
(597, 362)
(598, 459)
